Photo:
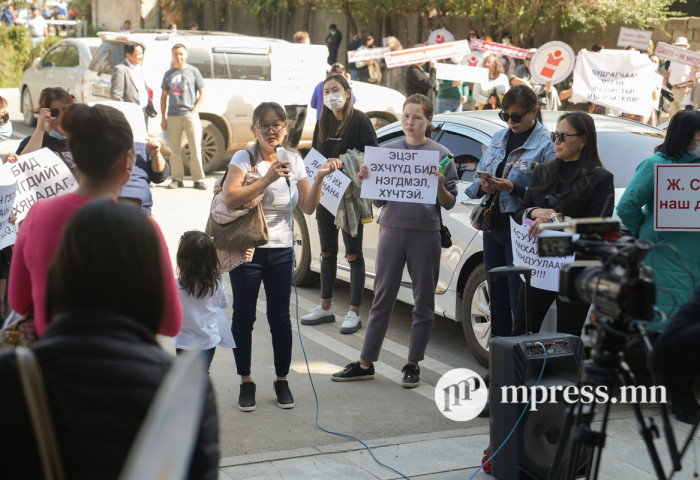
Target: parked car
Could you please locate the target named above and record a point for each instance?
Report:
(62, 66)
(238, 72)
(462, 293)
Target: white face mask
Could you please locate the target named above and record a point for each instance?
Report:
(695, 153)
(334, 101)
(5, 131)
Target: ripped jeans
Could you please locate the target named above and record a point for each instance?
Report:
(328, 235)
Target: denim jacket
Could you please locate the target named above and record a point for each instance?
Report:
(538, 149)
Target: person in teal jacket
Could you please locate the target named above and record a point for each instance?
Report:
(452, 95)
(674, 283)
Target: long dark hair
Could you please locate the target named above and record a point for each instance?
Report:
(328, 125)
(197, 264)
(523, 96)
(427, 107)
(589, 159)
(261, 111)
(108, 248)
(679, 135)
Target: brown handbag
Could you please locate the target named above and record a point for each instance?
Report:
(247, 231)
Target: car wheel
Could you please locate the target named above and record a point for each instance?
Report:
(28, 109)
(213, 148)
(476, 315)
(302, 252)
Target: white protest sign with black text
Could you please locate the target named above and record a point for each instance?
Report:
(676, 197)
(334, 185)
(40, 174)
(448, 71)
(545, 270)
(552, 62)
(296, 69)
(410, 56)
(676, 54)
(401, 175)
(619, 79)
(8, 233)
(366, 54)
(636, 38)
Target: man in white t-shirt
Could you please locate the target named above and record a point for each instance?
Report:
(38, 28)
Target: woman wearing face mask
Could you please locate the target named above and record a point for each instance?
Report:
(636, 210)
(511, 159)
(340, 128)
(48, 132)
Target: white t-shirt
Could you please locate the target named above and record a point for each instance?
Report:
(204, 322)
(276, 206)
(37, 26)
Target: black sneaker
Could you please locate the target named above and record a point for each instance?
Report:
(411, 376)
(246, 399)
(200, 185)
(284, 395)
(353, 371)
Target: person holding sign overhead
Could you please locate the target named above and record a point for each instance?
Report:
(409, 236)
(283, 184)
(574, 185)
(510, 161)
(341, 128)
(676, 277)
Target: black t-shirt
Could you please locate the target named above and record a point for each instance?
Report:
(358, 134)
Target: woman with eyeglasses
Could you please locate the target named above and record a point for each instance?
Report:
(510, 161)
(49, 134)
(574, 185)
(283, 184)
(341, 128)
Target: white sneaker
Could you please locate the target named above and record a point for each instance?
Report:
(351, 324)
(318, 315)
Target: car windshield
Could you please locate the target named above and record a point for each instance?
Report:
(621, 153)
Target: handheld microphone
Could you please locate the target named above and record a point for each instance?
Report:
(281, 154)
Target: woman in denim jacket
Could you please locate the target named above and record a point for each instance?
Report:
(525, 144)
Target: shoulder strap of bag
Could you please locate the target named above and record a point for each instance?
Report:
(36, 399)
(495, 198)
(252, 164)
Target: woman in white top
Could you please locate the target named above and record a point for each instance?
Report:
(283, 184)
(497, 81)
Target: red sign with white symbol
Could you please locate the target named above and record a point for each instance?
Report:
(552, 62)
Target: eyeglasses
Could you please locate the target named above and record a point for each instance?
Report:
(4, 118)
(55, 112)
(514, 117)
(561, 136)
(271, 128)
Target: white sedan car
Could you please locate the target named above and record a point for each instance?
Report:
(63, 66)
(462, 293)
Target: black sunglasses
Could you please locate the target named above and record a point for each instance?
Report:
(561, 136)
(4, 118)
(515, 117)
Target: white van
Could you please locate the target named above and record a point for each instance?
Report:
(239, 74)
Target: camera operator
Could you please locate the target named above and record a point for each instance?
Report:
(676, 355)
(636, 210)
(575, 185)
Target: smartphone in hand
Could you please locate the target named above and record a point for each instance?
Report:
(482, 174)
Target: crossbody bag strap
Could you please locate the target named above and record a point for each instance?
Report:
(495, 198)
(37, 403)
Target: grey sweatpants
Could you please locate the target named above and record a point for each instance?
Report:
(420, 251)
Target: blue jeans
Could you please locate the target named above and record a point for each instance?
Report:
(354, 74)
(504, 291)
(272, 267)
(446, 105)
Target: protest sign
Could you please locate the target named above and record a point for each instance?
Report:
(296, 69)
(676, 54)
(410, 56)
(40, 174)
(334, 185)
(448, 71)
(637, 38)
(500, 48)
(618, 79)
(552, 62)
(545, 270)
(677, 197)
(366, 54)
(8, 234)
(440, 35)
(401, 175)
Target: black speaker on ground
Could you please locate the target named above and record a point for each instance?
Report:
(517, 362)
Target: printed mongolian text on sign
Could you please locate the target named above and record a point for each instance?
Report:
(8, 233)
(401, 175)
(676, 54)
(637, 38)
(677, 197)
(500, 48)
(334, 185)
(411, 56)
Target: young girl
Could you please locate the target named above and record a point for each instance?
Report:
(204, 324)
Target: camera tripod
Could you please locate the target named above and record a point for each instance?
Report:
(580, 449)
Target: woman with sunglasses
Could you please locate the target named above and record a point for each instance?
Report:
(49, 133)
(574, 185)
(341, 128)
(510, 161)
(283, 184)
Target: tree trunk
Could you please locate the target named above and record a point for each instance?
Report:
(348, 16)
(306, 17)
